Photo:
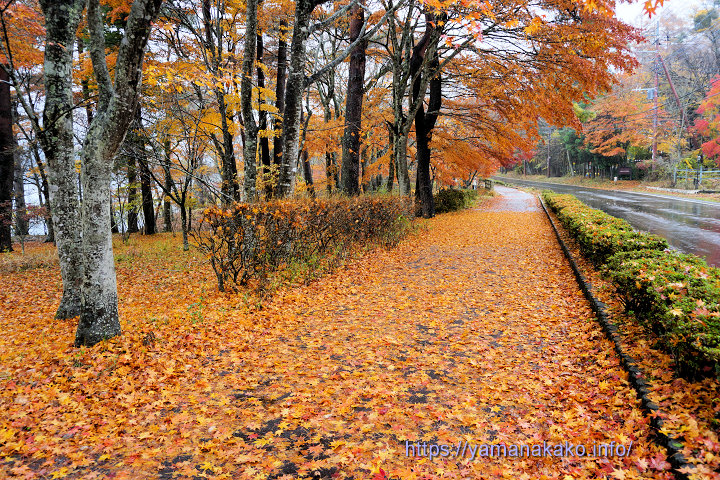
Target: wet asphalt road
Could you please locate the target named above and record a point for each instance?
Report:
(692, 226)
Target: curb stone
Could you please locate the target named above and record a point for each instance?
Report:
(672, 445)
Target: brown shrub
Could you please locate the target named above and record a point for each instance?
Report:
(252, 240)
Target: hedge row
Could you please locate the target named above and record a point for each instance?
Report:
(677, 296)
(600, 235)
(452, 199)
(252, 240)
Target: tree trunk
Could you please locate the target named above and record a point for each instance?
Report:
(365, 178)
(184, 225)
(304, 160)
(132, 190)
(167, 208)
(400, 76)
(332, 173)
(391, 161)
(213, 54)
(145, 177)
(21, 221)
(45, 193)
(307, 173)
(230, 187)
(424, 123)
(189, 223)
(409, 66)
(423, 188)
(61, 21)
(22, 227)
(99, 317)
(263, 123)
(424, 62)
(401, 165)
(113, 223)
(147, 198)
(293, 98)
(250, 141)
(7, 163)
(280, 104)
(136, 149)
(350, 169)
(329, 172)
(117, 103)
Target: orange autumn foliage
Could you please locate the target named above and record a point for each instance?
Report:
(526, 65)
(623, 119)
(24, 33)
(708, 125)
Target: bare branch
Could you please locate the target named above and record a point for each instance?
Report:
(328, 21)
(362, 37)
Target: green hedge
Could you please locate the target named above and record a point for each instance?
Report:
(675, 295)
(678, 297)
(452, 199)
(600, 235)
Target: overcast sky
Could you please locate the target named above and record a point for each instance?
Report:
(633, 14)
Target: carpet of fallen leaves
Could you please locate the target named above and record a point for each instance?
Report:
(472, 330)
(690, 409)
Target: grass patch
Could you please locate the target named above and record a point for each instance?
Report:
(37, 255)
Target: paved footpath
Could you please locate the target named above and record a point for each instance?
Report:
(472, 336)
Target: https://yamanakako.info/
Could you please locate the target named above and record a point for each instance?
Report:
(464, 449)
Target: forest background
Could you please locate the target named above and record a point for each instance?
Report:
(123, 110)
(660, 120)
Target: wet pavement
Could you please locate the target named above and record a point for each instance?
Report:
(692, 226)
(512, 200)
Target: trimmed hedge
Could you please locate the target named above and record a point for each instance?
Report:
(453, 199)
(251, 240)
(600, 235)
(678, 297)
(675, 295)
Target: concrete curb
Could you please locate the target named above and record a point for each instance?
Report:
(636, 377)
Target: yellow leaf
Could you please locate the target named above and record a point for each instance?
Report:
(619, 474)
(209, 466)
(63, 472)
(262, 442)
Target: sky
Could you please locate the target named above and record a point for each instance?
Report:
(633, 13)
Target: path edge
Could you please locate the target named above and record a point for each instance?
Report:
(636, 377)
